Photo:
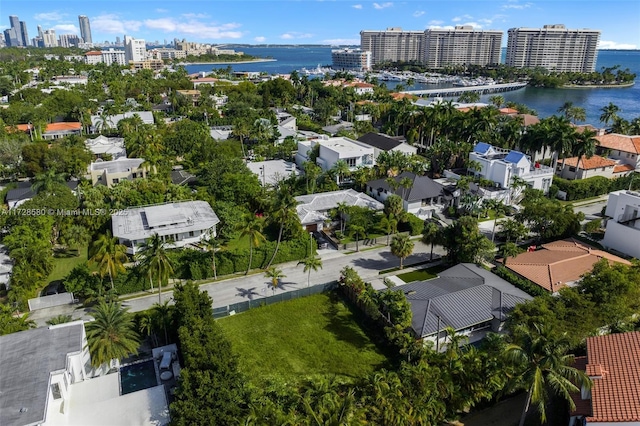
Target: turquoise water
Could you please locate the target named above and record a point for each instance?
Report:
(138, 376)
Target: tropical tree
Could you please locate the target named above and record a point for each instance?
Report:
(47, 181)
(509, 250)
(275, 274)
(283, 212)
(609, 113)
(390, 224)
(356, 231)
(211, 243)
(250, 226)
(402, 247)
(565, 109)
(430, 235)
(109, 255)
(311, 263)
(60, 319)
(585, 145)
(342, 170)
(75, 235)
(111, 335)
(496, 100)
(155, 262)
(545, 367)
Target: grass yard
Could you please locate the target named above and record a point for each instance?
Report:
(65, 261)
(314, 335)
(421, 274)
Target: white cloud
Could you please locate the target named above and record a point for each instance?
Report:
(357, 6)
(161, 10)
(473, 24)
(461, 18)
(286, 36)
(439, 27)
(49, 16)
(260, 39)
(604, 44)
(112, 24)
(291, 35)
(342, 41)
(435, 23)
(382, 5)
(195, 15)
(418, 13)
(66, 29)
(194, 28)
(517, 6)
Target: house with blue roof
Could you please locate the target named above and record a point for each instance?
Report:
(501, 166)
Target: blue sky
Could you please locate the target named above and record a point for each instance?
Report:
(318, 22)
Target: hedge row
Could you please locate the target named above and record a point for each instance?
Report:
(523, 284)
(591, 187)
(192, 264)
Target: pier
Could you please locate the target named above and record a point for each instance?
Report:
(457, 91)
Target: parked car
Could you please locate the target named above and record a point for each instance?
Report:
(322, 242)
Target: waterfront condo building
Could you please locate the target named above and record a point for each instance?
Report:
(85, 29)
(461, 45)
(351, 59)
(393, 45)
(135, 49)
(553, 47)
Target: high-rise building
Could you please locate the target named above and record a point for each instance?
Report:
(553, 47)
(69, 40)
(24, 35)
(461, 46)
(351, 59)
(14, 21)
(85, 29)
(13, 36)
(393, 45)
(135, 49)
(49, 38)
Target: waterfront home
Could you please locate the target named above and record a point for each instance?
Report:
(100, 122)
(625, 149)
(569, 168)
(623, 228)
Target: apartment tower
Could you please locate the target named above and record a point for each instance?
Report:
(461, 46)
(135, 49)
(553, 47)
(85, 29)
(351, 59)
(393, 45)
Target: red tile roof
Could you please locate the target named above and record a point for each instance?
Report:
(93, 53)
(20, 127)
(559, 263)
(595, 162)
(620, 142)
(508, 111)
(63, 126)
(583, 406)
(623, 168)
(615, 395)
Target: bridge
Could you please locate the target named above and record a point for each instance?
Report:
(457, 91)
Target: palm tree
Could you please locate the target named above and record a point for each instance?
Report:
(75, 235)
(284, 212)
(405, 183)
(275, 274)
(111, 335)
(250, 226)
(109, 255)
(212, 245)
(47, 181)
(509, 250)
(389, 223)
(341, 210)
(545, 366)
(356, 231)
(341, 168)
(585, 145)
(565, 109)
(609, 113)
(431, 235)
(496, 100)
(402, 247)
(161, 315)
(311, 264)
(155, 262)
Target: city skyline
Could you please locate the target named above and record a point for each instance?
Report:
(320, 22)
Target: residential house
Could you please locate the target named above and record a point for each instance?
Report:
(333, 129)
(103, 146)
(220, 133)
(273, 171)
(112, 172)
(623, 229)
(24, 192)
(384, 143)
(331, 150)
(314, 209)
(360, 88)
(192, 96)
(71, 80)
(568, 168)
(613, 365)
(47, 379)
(181, 224)
(466, 297)
(559, 263)
(421, 198)
(60, 130)
(501, 166)
(98, 122)
(625, 149)
(182, 177)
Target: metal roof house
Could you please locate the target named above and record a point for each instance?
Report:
(466, 297)
(181, 224)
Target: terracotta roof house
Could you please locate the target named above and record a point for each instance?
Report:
(559, 263)
(466, 297)
(60, 130)
(613, 364)
(568, 168)
(625, 149)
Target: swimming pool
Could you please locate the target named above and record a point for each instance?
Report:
(135, 377)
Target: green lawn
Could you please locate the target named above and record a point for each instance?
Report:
(421, 274)
(314, 335)
(65, 261)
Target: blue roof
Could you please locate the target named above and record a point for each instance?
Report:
(481, 148)
(514, 157)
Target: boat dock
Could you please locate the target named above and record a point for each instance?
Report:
(456, 91)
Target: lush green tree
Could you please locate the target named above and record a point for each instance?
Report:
(75, 236)
(401, 247)
(609, 113)
(111, 335)
(465, 243)
(431, 235)
(357, 231)
(509, 250)
(12, 323)
(283, 212)
(109, 255)
(251, 227)
(275, 274)
(156, 262)
(311, 263)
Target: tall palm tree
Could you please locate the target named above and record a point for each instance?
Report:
(609, 113)
(112, 335)
(212, 245)
(389, 223)
(356, 231)
(155, 262)
(275, 274)
(284, 212)
(109, 255)
(509, 250)
(46, 182)
(341, 168)
(431, 235)
(585, 145)
(405, 183)
(250, 226)
(311, 263)
(402, 247)
(545, 366)
(565, 109)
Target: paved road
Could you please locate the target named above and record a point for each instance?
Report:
(367, 263)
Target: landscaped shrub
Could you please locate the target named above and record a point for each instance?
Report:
(523, 284)
(591, 187)
(413, 224)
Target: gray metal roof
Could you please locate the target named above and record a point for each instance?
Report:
(140, 223)
(312, 208)
(120, 165)
(460, 297)
(24, 192)
(26, 360)
(380, 141)
(421, 188)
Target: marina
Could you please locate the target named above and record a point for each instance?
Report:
(456, 91)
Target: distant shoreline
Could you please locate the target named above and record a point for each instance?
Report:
(227, 62)
(598, 86)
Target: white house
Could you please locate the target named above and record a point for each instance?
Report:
(273, 171)
(183, 223)
(110, 173)
(623, 229)
(500, 166)
(568, 168)
(352, 152)
(110, 146)
(625, 149)
(111, 121)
